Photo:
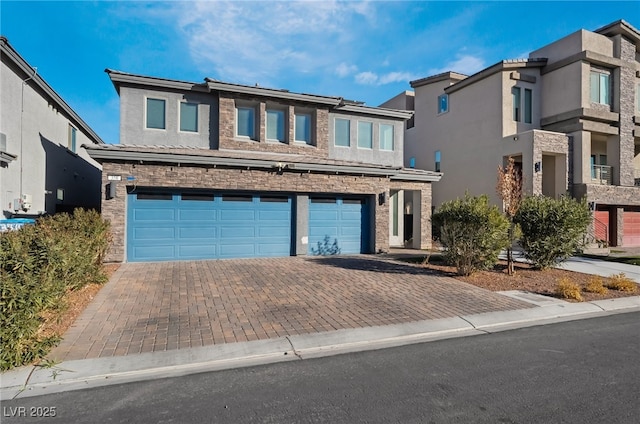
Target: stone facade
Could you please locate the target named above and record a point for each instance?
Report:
(627, 72)
(545, 142)
(253, 180)
(228, 140)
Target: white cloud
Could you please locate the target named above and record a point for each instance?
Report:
(371, 78)
(251, 42)
(344, 70)
(464, 64)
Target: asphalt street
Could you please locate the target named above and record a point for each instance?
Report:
(584, 371)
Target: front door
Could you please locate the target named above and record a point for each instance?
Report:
(396, 218)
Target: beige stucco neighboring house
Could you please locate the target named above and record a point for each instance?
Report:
(569, 114)
(43, 168)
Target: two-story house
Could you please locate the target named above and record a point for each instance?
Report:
(43, 168)
(218, 170)
(568, 114)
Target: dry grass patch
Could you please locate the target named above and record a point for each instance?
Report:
(596, 285)
(622, 283)
(567, 289)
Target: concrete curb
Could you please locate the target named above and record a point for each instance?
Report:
(82, 374)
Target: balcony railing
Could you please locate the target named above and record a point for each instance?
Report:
(601, 174)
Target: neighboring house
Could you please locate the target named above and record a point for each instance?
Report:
(569, 115)
(217, 170)
(43, 168)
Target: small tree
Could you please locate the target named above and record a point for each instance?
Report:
(471, 232)
(509, 188)
(552, 229)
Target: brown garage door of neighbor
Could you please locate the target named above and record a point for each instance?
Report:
(601, 225)
(631, 226)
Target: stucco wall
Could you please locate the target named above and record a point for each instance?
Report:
(374, 155)
(133, 118)
(39, 137)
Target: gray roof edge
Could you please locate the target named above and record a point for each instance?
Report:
(119, 77)
(112, 153)
(443, 76)
(8, 51)
(377, 111)
(620, 27)
(503, 65)
(271, 92)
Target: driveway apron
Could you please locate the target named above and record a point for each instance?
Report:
(149, 307)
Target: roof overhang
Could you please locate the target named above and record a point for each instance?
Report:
(505, 65)
(9, 52)
(117, 154)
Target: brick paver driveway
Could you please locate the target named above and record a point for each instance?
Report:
(149, 307)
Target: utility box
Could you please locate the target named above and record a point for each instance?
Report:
(23, 203)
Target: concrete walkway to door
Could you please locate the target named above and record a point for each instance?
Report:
(153, 307)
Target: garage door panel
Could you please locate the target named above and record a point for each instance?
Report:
(341, 220)
(163, 252)
(194, 233)
(631, 229)
(207, 226)
(154, 215)
(197, 215)
(197, 251)
(154, 233)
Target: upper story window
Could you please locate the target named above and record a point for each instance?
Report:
(303, 127)
(521, 104)
(342, 132)
(386, 137)
(600, 87)
(443, 103)
(188, 117)
(515, 97)
(275, 125)
(245, 122)
(412, 162)
(71, 142)
(365, 135)
(156, 113)
(528, 104)
(437, 157)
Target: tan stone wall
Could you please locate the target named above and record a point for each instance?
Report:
(150, 175)
(228, 140)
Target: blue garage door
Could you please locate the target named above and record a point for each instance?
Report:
(338, 225)
(181, 226)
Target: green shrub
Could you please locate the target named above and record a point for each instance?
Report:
(552, 229)
(38, 265)
(471, 232)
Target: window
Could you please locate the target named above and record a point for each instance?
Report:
(443, 103)
(437, 160)
(412, 162)
(386, 137)
(189, 117)
(245, 122)
(303, 127)
(275, 125)
(342, 133)
(71, 143)
(600, 87)
(515, 96)
(527, 105)
(365, 135)
(156, 114)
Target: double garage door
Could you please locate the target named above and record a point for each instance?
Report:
(630, 226)
(189, 226)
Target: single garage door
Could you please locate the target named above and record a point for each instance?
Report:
(338, 225)
(631, 229)
(184, 226)
(601, 225)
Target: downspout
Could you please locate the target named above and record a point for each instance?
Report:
(24, 82)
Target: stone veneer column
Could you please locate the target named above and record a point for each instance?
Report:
(626, 96)
(619, 214)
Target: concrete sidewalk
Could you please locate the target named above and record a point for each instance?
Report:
(87, 373)
(600, 267)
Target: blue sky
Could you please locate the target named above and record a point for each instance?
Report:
(367, 51)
